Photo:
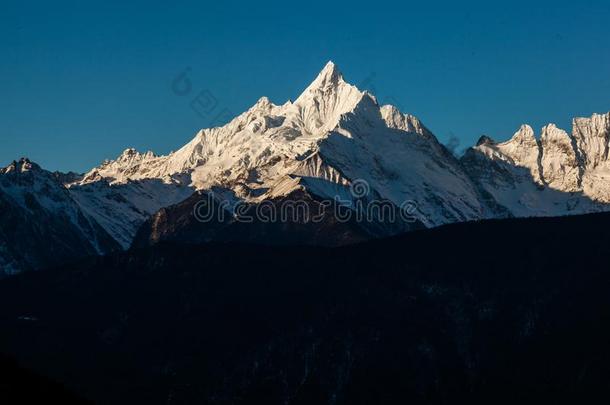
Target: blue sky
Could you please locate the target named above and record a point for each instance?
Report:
(81, 81)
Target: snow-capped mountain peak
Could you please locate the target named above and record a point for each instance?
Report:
(329, 78)
(331, 137)
(521, 150)
(20, 166)
(318, 109)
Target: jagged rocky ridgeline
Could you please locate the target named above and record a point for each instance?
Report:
(316, 147)
(41, 224)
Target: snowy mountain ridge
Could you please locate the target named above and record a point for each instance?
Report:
(333, 135)
(555, 174)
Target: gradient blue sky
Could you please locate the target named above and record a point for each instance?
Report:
(80, 81)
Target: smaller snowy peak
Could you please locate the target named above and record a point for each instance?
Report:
(131, 154)
(127, 165)
(394, 118)
(263, 103)
(24, 173)
(22, 165)
(521, 151)
(262, 106)
(525, 135)
(23, 177)
(556, 141)
(559, 162)
(261, 110)
(551, 133)
(598, 123)
(516, 149)
(592, 136)
(484, 139)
